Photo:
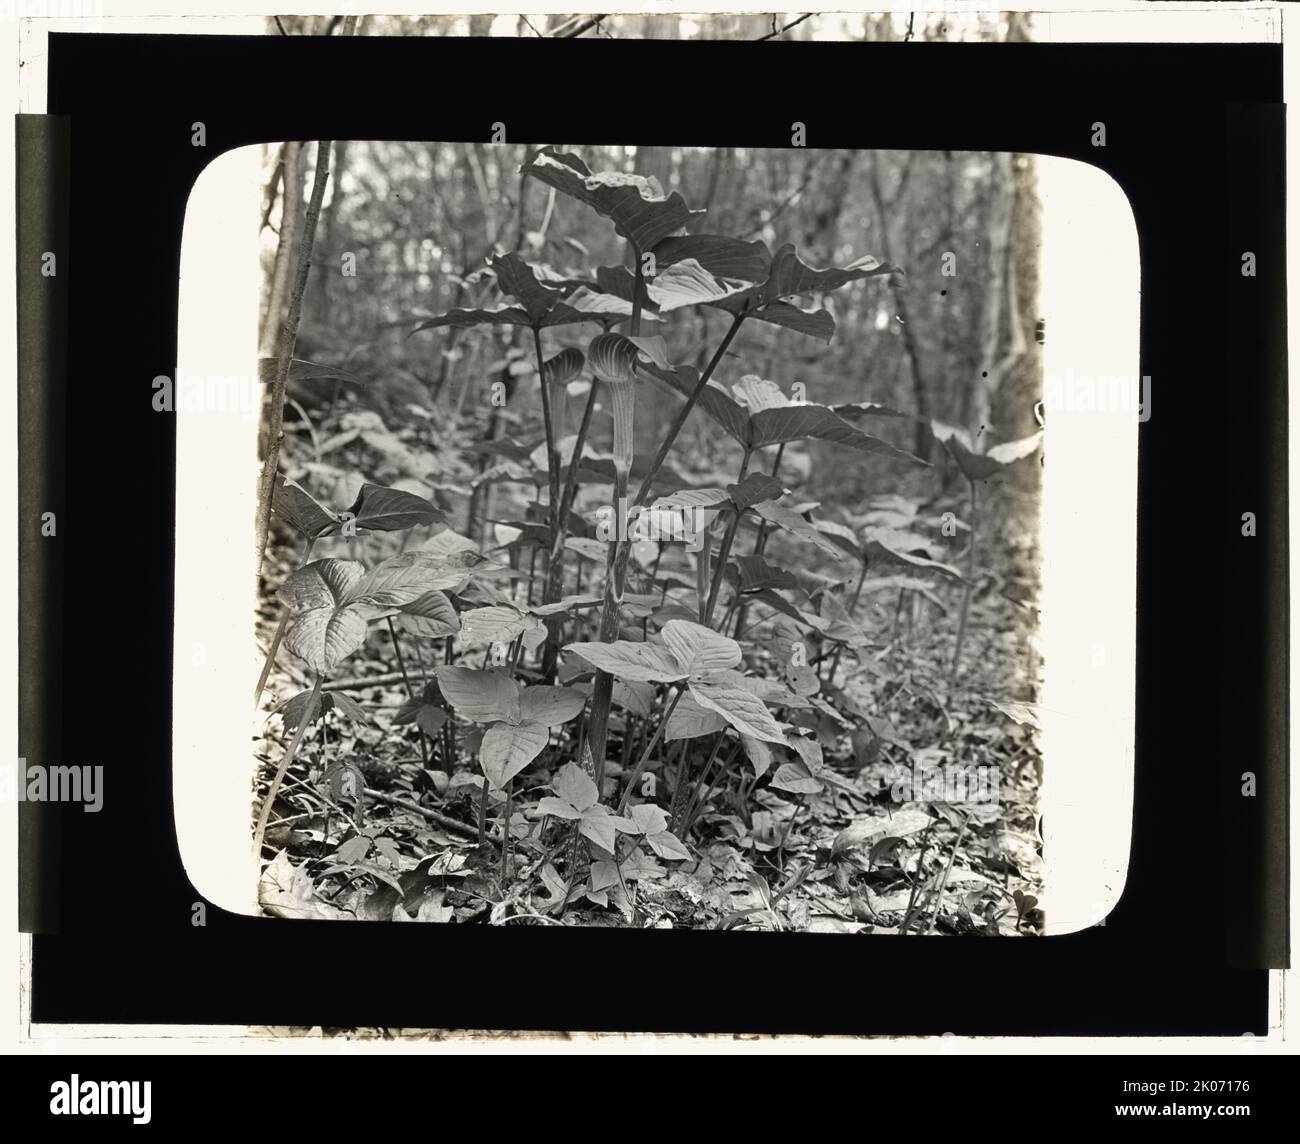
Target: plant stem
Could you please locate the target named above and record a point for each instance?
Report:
(410, 691)
(555, 566)
(943, 883)
(702, 800)
(505, 835)
(284, 349)
(713, 754)
(724, 551)
(279, 633)
(645, 755)
(685, 411)
(780, 850)
(313, 701)
(853, 607)
(970, 588)
(602, 690)
(759, 544)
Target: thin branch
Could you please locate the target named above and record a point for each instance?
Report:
(594, 22)
(777, 31)
(288, 339)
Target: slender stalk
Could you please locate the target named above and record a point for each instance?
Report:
(724, 551)
(603, 688)
(279, 633)
(505, 835)
(702, 800)
(313, 701)
(555, 566)
(410, 690)
(970, 588)
(552, 450)
(853, 607)
(702, 575)
(285, 346)
(685, 411)
(780, 850)
(759, 544)
(645, 755)
(690, 803)
(943, 883)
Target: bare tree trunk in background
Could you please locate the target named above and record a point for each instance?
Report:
(920, 384)
(324, 299)
(288, 336)
(286, 250)
(994, 305)
(1022, 388)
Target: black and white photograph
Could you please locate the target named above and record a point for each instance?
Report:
(650, 531)
(652, 538)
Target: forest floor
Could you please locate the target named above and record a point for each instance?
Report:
(872, 852)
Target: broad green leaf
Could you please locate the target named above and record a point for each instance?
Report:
(604, 875)
(889, 546)
(639, 698)
(321, 584)
(740, 707)
(687, 283)
(648, 818)
(449, 543)
(692, 498)
(977, 466)
(508, 748)
(550, 706)
(567, 604)
(323, 628)
(324, 637)
(793, 522)
(790, 275)
(481, 696)
(1011, 451)
(519, 280)
(796, 422)
(400, 580)
(497, 624)
(756, 573)
(589, 307)
(808, 750)
(559, 808)
(430, 616)
(721, 255)
(667, 846)
(689, 720)
(430, 719)
(599, 828)
(699, 649)
(350, 708)
(635, 204)
(758, 393)
(382, 509)
(298, 509)
(794, 778)
(713, 399)
(637, 662)
(815, 323)
(575, 787)
(758, 753)
(754, 488)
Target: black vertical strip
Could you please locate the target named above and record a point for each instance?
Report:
(1255, 679)
(42, 220)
